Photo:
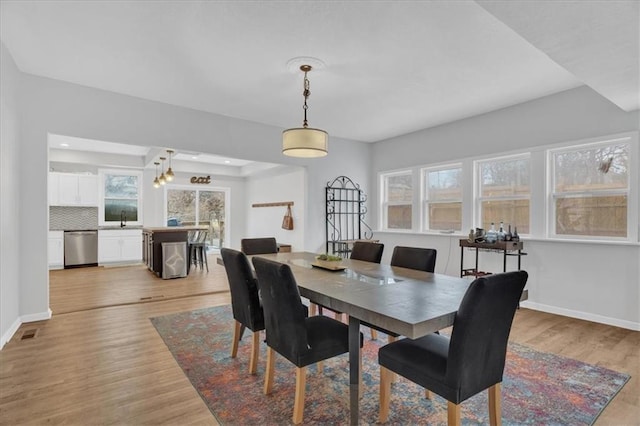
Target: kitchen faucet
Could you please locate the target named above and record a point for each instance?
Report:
(123, 219)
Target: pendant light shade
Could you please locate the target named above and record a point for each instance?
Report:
(304, 141)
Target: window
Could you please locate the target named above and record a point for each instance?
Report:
(590, 190)
(190, 207)
(397, 200)
(442, 198)
(503, 192)
(120, 197)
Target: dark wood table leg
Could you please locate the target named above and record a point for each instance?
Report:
(354, 368)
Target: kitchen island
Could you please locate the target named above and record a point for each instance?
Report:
(152, 239)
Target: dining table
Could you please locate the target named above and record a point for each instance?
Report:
(408, 302)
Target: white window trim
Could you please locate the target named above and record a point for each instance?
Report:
(631, 192)
(101, 195)
(424, 196)
(539, 198)
(478, 200)
(384, 204)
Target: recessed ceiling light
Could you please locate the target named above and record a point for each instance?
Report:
(195, 157)
(64, 145)
(227, 162)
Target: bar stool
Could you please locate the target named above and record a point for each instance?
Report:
(198, 249)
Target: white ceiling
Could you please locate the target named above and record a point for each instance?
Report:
(392, 67)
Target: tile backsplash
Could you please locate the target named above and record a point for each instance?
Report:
(72, 218)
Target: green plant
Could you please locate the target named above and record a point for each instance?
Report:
(329, 257)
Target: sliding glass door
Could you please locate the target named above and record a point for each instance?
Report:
(200, 207)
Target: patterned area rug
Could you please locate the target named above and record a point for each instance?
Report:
(538, 388)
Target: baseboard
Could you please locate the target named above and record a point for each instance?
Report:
(630, 325)
(10, 332)
(40, 316)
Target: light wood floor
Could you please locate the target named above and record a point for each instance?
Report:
(107, 365)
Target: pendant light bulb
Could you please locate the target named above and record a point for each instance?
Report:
(162, 178)
(156, 181)
(169, 175)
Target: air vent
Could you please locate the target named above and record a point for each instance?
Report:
(29, 334)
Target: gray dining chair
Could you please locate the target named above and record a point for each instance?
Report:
(471, 360)
(250, 246)
(367, 251)
(418, 258)
(245, 302)
(301, 340)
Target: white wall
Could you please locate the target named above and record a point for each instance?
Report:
(9, 196)
(51, 106)
(276, 186)
(599, 282)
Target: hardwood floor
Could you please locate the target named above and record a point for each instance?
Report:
(91, 364)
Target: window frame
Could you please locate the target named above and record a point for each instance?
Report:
(102, 173)
(477, 185)
(384, 224)
(552, 195)
(227, 205)
(424, 196)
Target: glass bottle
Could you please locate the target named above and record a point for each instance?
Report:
(509, 235)
(501, 233)
(516, 237)
(492, 235)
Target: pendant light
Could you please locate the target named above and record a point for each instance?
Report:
(156, 181)
(162, 178)
(304, 141)
(169, 175)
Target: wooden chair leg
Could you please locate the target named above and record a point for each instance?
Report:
(298, 405)
(313, 309)
(427, 394)
(236, 338)
(394, 376)
(255, 352)
(268, 376)
(320, 367)
(374, 334)
(495, 409)
(453, 414)
(385, 394)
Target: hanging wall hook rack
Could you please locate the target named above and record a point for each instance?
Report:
(277, 204)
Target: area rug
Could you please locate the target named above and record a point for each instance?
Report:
(538, 388)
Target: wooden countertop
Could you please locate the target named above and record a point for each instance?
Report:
(174, 228)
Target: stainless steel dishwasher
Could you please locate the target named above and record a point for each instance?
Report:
(80, 248)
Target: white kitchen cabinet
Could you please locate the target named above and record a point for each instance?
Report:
(56, 249)
(119, 246)
(67, 189)
(53, 187)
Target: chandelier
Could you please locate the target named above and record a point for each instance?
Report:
(305, 141)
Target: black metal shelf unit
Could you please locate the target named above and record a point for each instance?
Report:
(345, 211)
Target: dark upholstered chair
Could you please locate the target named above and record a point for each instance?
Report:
(369, 252)
(421, 259)
(245, 302)
(469, 362)
(251, 246)
(303, 341)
